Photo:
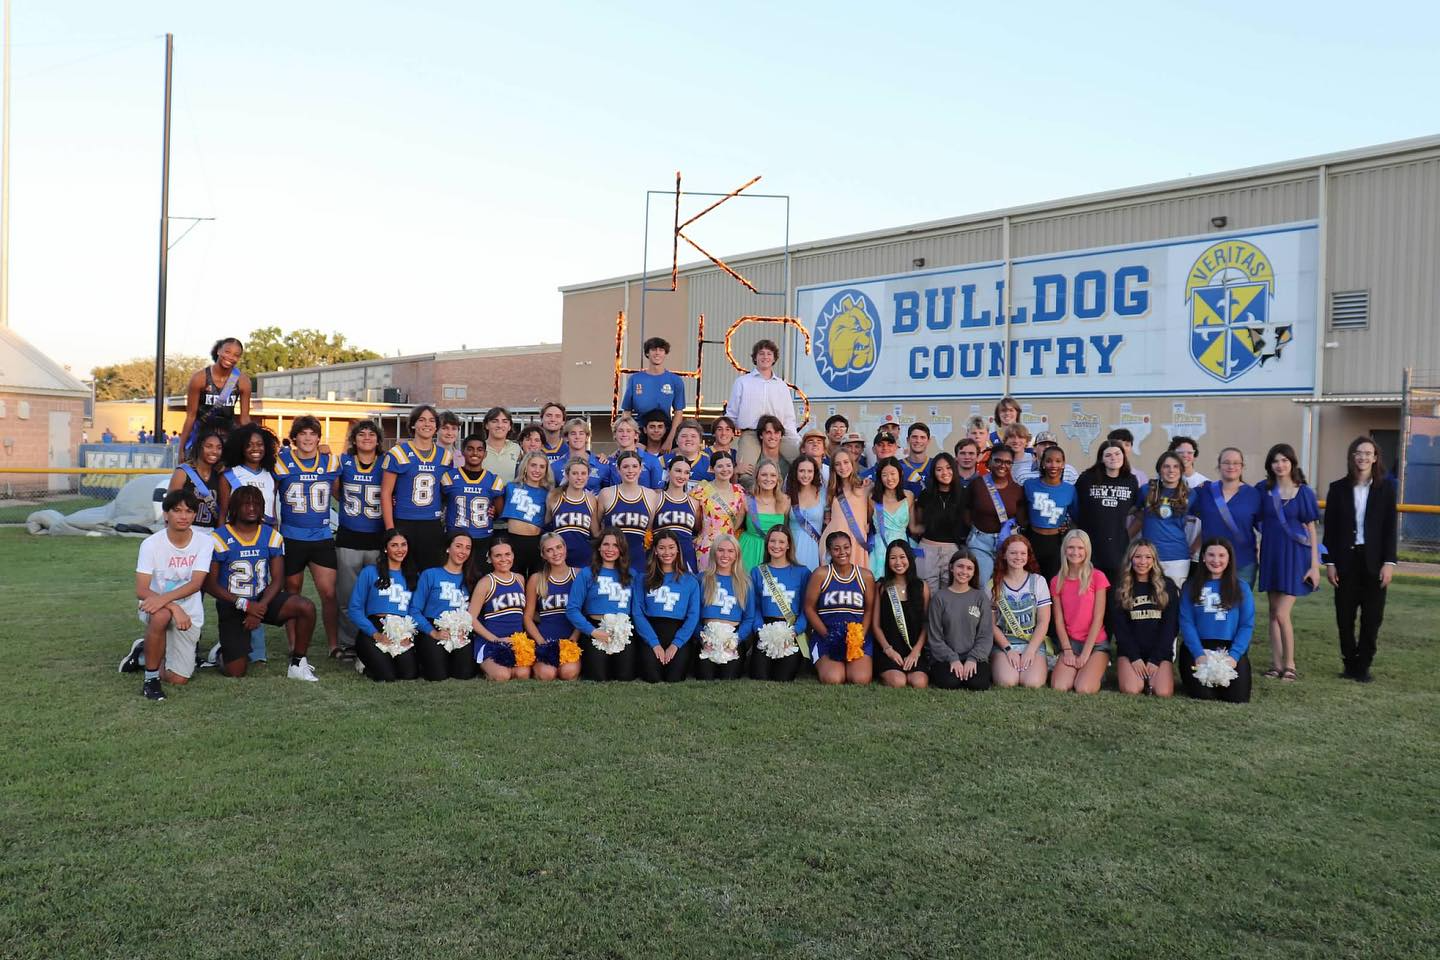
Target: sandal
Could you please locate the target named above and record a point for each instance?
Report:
(1289, 676)
(1273, 673)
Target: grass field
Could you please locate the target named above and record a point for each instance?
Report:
(268, 818)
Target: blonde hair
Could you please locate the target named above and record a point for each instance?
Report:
(854, 483)
(1086, 567)
(1016, 429)
(574, 422)
(522, 475)
(1125, 590)
(625, 420)
(544, 589)
(739, 576)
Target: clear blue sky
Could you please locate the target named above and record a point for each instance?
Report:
(424, 175)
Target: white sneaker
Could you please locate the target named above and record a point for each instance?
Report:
(360, 666)
(212, 659)
(302, 671)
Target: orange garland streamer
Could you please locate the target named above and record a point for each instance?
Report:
(569, 651)
(621, 370)
(524, 649)
(679, 235)
(854, 641)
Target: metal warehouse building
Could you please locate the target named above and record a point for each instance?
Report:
(1280, 302)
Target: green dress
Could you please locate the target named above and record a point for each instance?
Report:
(752, 538)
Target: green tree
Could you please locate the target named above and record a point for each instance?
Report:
(133, 379)
(268, 349)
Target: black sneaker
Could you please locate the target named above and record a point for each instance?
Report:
(1364, 677)
(150, 689)
(131, 662)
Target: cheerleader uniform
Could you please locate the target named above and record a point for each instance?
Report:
(663, 616)
(437, 591)
(632, 518)
(550, 618)
(369, 601)
(418, 510)
(503, 614)
(790, 583)
(727, 607)
(592, 595)
(679, 517)
(526, 504)
(573, 521)
(841, 603)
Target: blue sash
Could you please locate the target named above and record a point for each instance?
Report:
(869, 541)
(1279, 506)
(805, 524)
(1007, 526)
(201, 490)
(1224, 509)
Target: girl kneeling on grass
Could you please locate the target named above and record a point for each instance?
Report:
(666, 612)
(498, 609)
(725, 598)
(1217, 613)
(441, 589)
(1079, 592)
(557, 651)
(1144, 620)
(1021, 601)
(961, 630)
(382, 590)
(599, 589)
(835, 610)
(896, 619)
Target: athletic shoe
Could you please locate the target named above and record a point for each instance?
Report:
(360, 666)
(131, 662)
(211, 659)
(302, 671)
(150, 690)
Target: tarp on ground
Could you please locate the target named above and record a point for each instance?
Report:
(135, 511)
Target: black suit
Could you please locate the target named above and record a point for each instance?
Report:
(1358, 566)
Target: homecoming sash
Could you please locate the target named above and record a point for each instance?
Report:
(777, 596)
(899, 613)
(869, 541)
(1224, 509)
(1279, 506)
(799, 517)
(201, 490)
(719, 500)
(1013, 630)
(1007, 526)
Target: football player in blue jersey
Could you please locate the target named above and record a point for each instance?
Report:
(361, 526)
(305, 479)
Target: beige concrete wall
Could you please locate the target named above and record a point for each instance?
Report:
(587, 359)
(25, 440)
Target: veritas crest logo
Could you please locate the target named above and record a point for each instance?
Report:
(847, 340)
(1230, 288)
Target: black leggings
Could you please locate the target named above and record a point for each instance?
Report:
(709, 670)
(1047, 552)
(527, 552)
(1237, 692)
(380, 666)
(764, 668)
(940, 676)
(437, 663)
(648, 665)
(427, 542)
(598, 665)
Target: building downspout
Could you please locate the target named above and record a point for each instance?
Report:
(1310, 434)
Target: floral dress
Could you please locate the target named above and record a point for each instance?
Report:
(717, 518)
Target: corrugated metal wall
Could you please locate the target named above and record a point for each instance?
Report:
(1384, 236)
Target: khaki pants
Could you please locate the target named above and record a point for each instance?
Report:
(933, 564)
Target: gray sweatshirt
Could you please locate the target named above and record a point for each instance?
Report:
(960, 626)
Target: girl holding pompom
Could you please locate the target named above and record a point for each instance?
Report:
(779, 587)
(835, 609)
(383, 590)
(1217, 614)
(497, 608)
(600, 590)
(557, 652)
(725, 598)
(440, 589)
(666, 611)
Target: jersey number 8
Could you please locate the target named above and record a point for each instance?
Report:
(422, 491)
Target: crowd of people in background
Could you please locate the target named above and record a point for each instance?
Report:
(747, 547)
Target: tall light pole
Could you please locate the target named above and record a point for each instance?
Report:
(164, 243)
(5, 180)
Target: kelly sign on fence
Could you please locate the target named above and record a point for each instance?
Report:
(1231, 313)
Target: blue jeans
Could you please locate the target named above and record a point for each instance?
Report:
(983, 546)
(257, 643)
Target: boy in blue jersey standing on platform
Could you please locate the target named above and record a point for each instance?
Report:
(655, 388)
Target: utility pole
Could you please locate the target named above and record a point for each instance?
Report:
(5, 181)
(164, 243)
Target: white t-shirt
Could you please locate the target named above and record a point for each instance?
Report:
(171, 567)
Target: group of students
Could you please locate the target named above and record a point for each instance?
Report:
(997, 564)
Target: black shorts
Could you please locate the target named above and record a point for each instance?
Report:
(234, 638)
(299, 554)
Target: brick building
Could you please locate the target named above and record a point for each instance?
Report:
(42, 408)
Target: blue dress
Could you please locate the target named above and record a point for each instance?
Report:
(1283, 561)
(805, 527)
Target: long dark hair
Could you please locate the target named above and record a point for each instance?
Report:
(931, 483)
(1229, 579)
(382, 563)
(1377, 470)
(654, 576)
(1096, 470)
(1181, 500)
(792, 479)
(1288, 452)
(963, 553)
(199, 448)
(234, 453)
(622, 562)
(913, 583)
(877, 489)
